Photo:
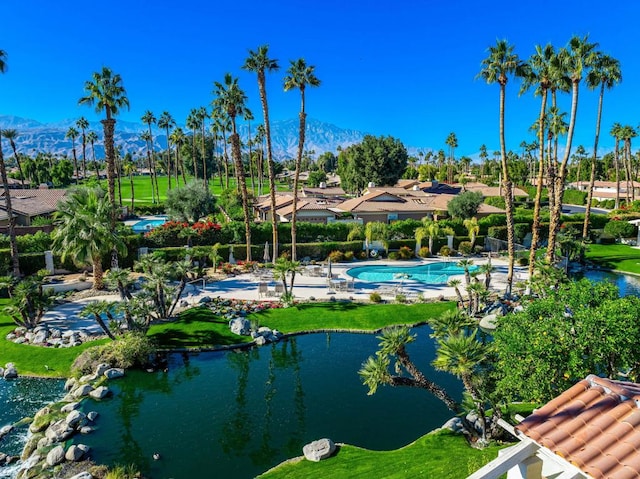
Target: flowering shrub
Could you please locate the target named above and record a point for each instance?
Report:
(171, 233)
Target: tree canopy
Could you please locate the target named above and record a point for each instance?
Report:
(465, 205)
(190, 203)
(380, 160)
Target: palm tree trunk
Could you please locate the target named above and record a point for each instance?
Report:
(296, 178)
(153, 195)
(15, 154)
(15, 261)
(84, 156)
(108, 125)
(98, 274)
(616, 161)
(118, 177)
(627, 155)
(95, 162)
(204, 158)
(226, 160)
(75, 162)
(132, 191)
(535, 228)
(237, 157)
(103, 326)
(594, 159)
(193, 155)
(508, 194)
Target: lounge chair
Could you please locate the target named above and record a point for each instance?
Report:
(279, 291)
(263, 290)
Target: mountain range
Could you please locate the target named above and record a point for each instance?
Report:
(34, 137)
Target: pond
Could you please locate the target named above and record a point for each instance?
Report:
(431, 273)
(237, 414)
(627, 284)
(20, 398)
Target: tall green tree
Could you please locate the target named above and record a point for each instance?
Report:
(178, 138)
(107, 94)
(72, 134)
(605, 73)
(92, 137)
(577, 58)
(299, 75)
(83, 124)
(259, 62)
(84, 230)
(167, 122)
(149, 119)
(11, 135)
(193, 123)
(146, 137)
(452, 143)
(232, 100)
(15, 262)
(501, 63)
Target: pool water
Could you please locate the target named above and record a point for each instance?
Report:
(147, 225)
(432, 273)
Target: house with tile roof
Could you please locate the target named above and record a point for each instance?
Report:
(29, 204)
(606, 190)
(592, 430)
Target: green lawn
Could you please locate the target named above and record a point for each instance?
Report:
(31, 360)
(197, 327)
(348, 316)
(443, 455)
(618, 257)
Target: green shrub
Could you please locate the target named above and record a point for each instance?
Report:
(424, 252)
(520, 230)
(607, 239)
(401, 298)
(523, 261)
(491, 220)
(574, 197)
(348, 255)
(131, 349)
(620, 229)
(375, 298)
(465, 247)
(445, 251)
(405, 253)
(336, 256)
(499, 232)
(394, 255)
(497, 201)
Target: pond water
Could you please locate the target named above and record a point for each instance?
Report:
(237, 414)
(431, 273)
(627, 284)
(20, 398)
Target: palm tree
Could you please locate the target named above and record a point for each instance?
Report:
(248, 117)
(96, 309)
(166, 121)
(455, 284)
(11, 135)
(129, 169)
(178, 138)
(146, 137)
(299, 75)
(466, 265)
(259, 62)
(15, 262)
(92, 137)
(486, 269)
(627, 133)
(193, 123)
(452, 143)
(83, 124)
(202, 115)
(616, 132)
(231, 99)
(577, 59)
(538, 74)
(149, 119)
(473, 228)
(604, 73)
(72, 134)
(496, 68)
(107, 93)
(84, 231)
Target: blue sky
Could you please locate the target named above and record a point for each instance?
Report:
(405, 68)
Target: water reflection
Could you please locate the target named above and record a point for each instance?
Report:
(628, 285)
(240, 413)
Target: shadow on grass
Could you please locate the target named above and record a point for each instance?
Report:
(173, 338)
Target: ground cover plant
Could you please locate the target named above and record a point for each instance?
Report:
(442, 454)
(617, 257)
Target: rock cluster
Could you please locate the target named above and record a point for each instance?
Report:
(265, 335)
(54, 425)
(49, 337)
(317, 450)
(9, 371)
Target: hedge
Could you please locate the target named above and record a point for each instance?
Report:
(574, 197)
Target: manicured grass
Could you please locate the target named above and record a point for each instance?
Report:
(443, 455)
(348, 316)
(618, 257)
(196, 327)
(31, 360)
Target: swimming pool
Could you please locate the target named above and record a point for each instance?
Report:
(147, 225)
(432, 273)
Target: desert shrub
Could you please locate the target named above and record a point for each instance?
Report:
(132, 349)
(348, 255)
(405, 253)
(336, 256)
(465, 247)
(401, 298)
(445, 251)
(394, 255)
(499, 232)
(520, 230)
(375, 298)
(478, 249)
(424, 252)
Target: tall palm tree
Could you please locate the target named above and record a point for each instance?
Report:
(166, 121)
(15, 262)
(84, 230)
(232, 100)
(149, 119)
(146, 137)
(627, 133)
(576, 59)
(202, 116)
(96, 309)
(452, 143)
(106, 92)
(538, 75)
(193, 123)
(299, 75)
(72, 134)
(259, 140)
(92, 137)
(501, 63)
(248, 117)
(605, 73)
(129, 169)
(259, 62)
(178, 139)
(11, 135)
(616, 132)
(83, 124)
(473, 228)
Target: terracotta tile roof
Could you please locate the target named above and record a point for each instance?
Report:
(281, 200)
(310, 204)
(324, 192)
(34, 202)
(594, 425)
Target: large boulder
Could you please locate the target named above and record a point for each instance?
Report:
(76, 419)
(41, 336)
(5, 430)
(10, 371)
(59, 431)
(92, 415)
(82, 390)
(317, 450)
(82, 475)
(70, 383)
(55, 456)
(101, 368)
(72, 406)
(74, 453)
(100, 392)
(240, 326)
(114, 373)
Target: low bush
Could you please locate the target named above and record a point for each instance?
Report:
(620, 229)
(445, 251)
(375, 298)
(405, 253)
(465, 247)
(336, 256)
(394, 255)
(424, 252)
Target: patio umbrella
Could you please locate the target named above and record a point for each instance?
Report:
(329, 269)
(266, 256)
(232, 260)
